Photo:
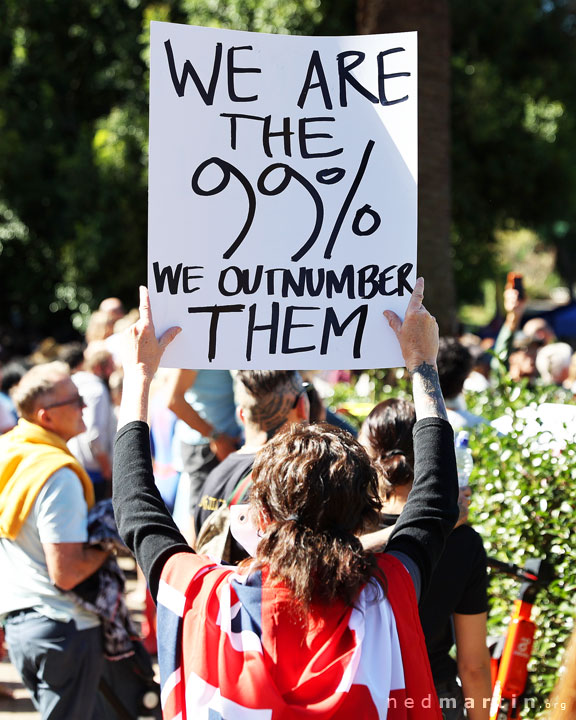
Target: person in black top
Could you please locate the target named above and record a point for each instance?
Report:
(454, 608)
(330, 531)
(421, 530)
(454, 611)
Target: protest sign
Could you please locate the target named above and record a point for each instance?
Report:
(282, 196)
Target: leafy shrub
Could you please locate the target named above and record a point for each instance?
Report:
(524, 504)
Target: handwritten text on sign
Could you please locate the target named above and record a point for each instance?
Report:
(283, 194)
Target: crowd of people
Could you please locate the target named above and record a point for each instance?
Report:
(297, 571)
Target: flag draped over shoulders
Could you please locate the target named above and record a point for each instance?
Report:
(232, 647)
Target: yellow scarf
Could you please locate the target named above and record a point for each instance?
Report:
(29, 455)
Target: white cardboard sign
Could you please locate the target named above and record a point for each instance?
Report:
(282, 196)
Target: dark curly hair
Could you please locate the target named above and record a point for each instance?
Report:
(313, 489)
(387, 436)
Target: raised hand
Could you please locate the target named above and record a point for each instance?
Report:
(418, 337)
(418, 334)
(514, 306)
(141, 350)
(141, 353)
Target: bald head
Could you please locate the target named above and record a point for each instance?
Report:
(537, 330)
(113, 307)
(553, 362)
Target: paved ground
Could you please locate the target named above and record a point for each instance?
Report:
(20, 707)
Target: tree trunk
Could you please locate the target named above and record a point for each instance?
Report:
(431, 18)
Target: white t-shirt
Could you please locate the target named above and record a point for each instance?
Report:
(59, 515)
(99, 418)
(458, 415)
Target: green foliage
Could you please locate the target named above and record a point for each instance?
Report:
(72, 160)
(73, 145)
(523, 505)
(513, 115)
(269, 16)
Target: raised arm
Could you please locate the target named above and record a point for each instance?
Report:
(514, 306)
(178, 383)
(141, 354)
(432, 508)
(143, 520)
(418, 338)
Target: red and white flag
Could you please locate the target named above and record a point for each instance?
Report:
(231, 647)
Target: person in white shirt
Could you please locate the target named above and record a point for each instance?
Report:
(44, 499)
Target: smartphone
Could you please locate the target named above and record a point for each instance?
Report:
(515, 281)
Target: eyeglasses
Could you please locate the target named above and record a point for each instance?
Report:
(77, 400)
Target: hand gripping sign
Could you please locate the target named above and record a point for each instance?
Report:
(283, 196)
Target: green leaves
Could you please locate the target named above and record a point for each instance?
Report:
(270, 16)
(73, 145)
(513, 115)
(523, 503)
(72, 151)
(523, 507)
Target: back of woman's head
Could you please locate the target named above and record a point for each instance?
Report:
(387, 436)
(313, 489)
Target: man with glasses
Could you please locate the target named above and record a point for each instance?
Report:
(44, 499)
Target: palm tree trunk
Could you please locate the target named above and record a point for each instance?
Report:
(431, 18)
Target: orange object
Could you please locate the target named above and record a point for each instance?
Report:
(513, 668)
(510, 658)
(516, 281)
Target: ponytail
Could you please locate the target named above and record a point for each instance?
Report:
(387, 435)
(393, 471)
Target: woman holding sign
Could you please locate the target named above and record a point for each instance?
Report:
(313, 626)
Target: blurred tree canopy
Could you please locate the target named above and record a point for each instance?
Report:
(73, 146)
(513, 130)
(73, 137)
(73, 125)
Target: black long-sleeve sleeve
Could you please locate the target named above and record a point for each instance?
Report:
(432, 507)
(149, 531)
(143, 521)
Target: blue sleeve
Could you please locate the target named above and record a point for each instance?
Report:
(60, 509)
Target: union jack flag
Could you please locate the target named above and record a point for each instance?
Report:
(231, 647)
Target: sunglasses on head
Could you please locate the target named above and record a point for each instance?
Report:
(303, 389)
